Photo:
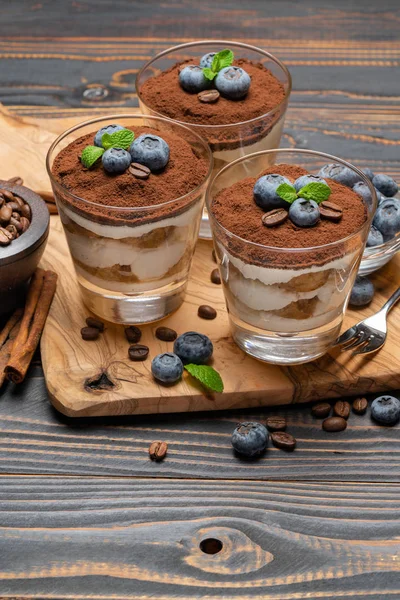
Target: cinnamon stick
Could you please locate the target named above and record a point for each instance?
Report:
(7, 336)
(38, 301)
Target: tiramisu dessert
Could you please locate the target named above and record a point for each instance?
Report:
(290, 264)
(130, 200)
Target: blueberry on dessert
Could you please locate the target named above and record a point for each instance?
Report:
(265, 192)
(304, 213)
(207, 60)
(233, 82)
(151, 151)
(109, 129)
(305, 179)
(193, 80)
(116, 160)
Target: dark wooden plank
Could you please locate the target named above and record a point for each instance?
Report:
(139, 539)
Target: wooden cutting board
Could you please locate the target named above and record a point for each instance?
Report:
(128, 388)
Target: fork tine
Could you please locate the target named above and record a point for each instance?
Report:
(363, 344)
(366, 349)
(362, 337)
(355, 340)
(346, 336)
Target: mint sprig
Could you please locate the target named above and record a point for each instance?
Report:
(287, 192)
(90, 155)
(319, 192)
(207, 376)
(222, 59)
(119, 139)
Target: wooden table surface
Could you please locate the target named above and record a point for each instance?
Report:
(83, 512)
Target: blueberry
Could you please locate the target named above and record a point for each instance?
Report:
(306, 179)
(387, 218)
(250, 439)
(233, 82)
(386, 410)
(363, 190)
(304, 213)
(150, 150)
(369, 173)
(192, 347)
(116, 160)
(264, 191)
(192, 79)
(339, 173)
(167, 367)
(380, 196)
(207, 59)
(375, 238)
(386, 185)
(362, 292)
(107, 129)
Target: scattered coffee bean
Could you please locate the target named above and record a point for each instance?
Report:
(93, 322)
(5, 214)
(283, 440)
(215, 276)
(166, 334)
(206, 312)
(89, 333)
(360, 406)
(208, 96)
(133, 334)
(7, 195)
(321, 410)
(275, 217)
(342, 409)
(15, 180)
(330, 210)
(5, 238)
(24, 224)
(138, 352)
(139, 171)
(158, 450)
(276, 423)
(13, 230)
(334, 424)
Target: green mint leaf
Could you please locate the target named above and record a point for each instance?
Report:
(221, 60)
(208, 376)
(208, 74)
(106, 141)
(319, 192)
(118, 139)
(287, 192)
(90, 155)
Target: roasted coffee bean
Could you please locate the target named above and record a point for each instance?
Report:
(17, 224)
(15, 207)
(166, 334)
(206, 312)
(342, 409)
(5, 238)
(2, 201)
(138, 352)
(276, 423)
(13, 230)
(93, 322)
(215, 276)
(7, 195)
(330, 210)
(89, 333)
(19, 201)
(283, 440)
(15, 180)
(24, 224)
(360, 406)
(133, 334)
(26, 211)
(321, 410)
(15, 215)
(139, 171)
(5, 214)
(213, 255)
(275, 217)
(208, 96)
(334, 424)
(158, 450)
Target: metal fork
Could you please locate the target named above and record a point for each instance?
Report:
(368, 335)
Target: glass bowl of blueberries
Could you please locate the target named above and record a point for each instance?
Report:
(384, 236)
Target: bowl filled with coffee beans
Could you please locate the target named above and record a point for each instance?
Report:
(24, 228)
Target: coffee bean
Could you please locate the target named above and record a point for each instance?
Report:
(15, 215)
(158, 450)
(24, 223)
(213, 255)
(26, 211)
(275, 217)
(215, 277)
(206, 312)
(13, 230)
(89, 333)
(14, 206)
(15, 180)
(342, 409)
(283, 440)
(321, 410)
(331, 211)
(5, 238)
(360, 406)
(133, 334)
(2, 201)
(334, 424)
(19, 201)
(93, 322)
(5, 214)
(166, 334)
(7, 195)
(276, 423)
(138, 352)
(208, 96)
(17, 224)
(139, 171)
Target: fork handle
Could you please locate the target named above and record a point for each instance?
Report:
(392, 301)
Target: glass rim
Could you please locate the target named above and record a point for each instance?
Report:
(226, 43)
(130, 116)
(281, 151)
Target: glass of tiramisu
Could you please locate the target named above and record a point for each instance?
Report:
(130, 191)
(234, 95)
(289, 241)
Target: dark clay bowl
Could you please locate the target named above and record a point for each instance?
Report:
(19, 259)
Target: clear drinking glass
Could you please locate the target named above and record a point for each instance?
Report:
(285, 305)
(132, 264)
(227, 142)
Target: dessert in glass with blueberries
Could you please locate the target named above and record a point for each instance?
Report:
(130, 193)
(289, 240)
(234, 95)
